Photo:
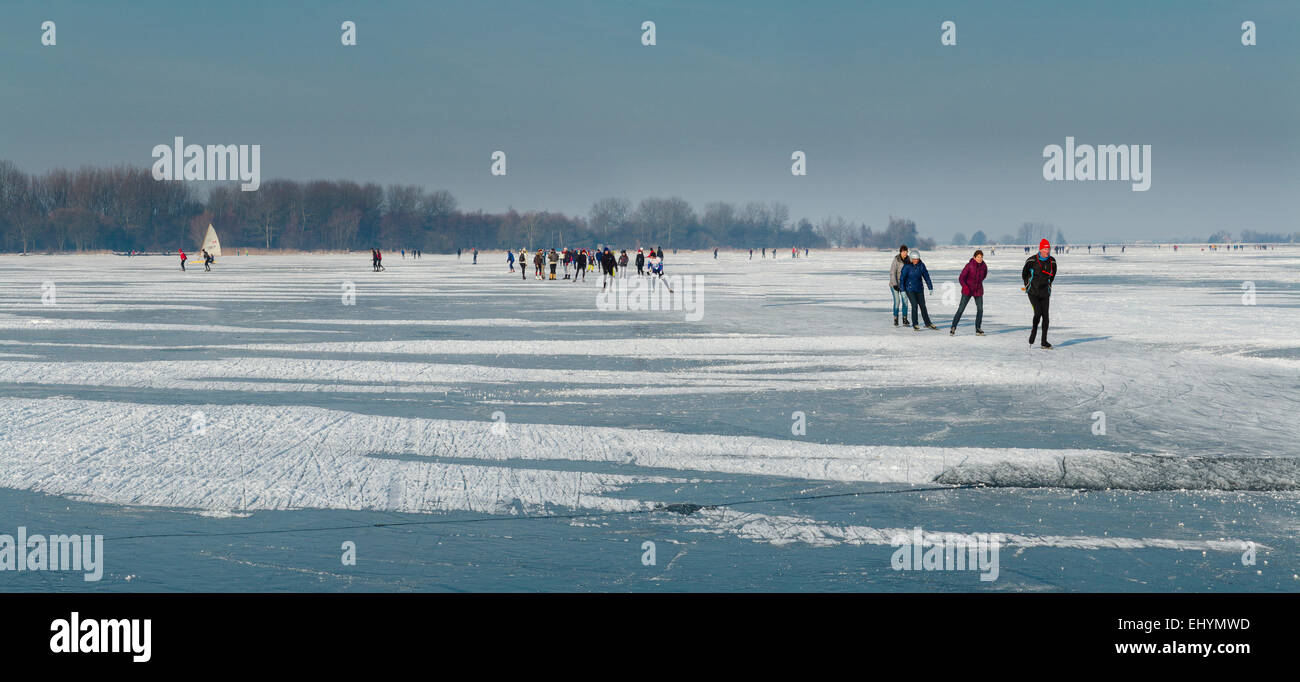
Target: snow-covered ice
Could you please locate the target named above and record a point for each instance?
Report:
(188, 416)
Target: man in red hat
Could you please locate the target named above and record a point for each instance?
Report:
(1038, 273)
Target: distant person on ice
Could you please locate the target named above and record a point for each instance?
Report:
(207, 261)
(523, 264)
(895, 288)
(608, 268)
(1038, 274)
(972, 286)
(510, 260)
(911, 278)
(580, 263)
(656, 268)
(182, 259)
(640, 262)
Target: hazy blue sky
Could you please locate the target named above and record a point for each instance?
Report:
(892, 122)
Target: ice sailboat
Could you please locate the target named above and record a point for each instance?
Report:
(210, 243)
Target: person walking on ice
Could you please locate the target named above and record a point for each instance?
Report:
(911, 278)
(972, 286)
(523, 264)
(895, 288)
(1038, 274)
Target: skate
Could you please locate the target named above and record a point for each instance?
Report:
(1033, 335)
(895, 320)
(979, 332)
(931, 326)
(1046, 346)
(952, 332)
(915, 328)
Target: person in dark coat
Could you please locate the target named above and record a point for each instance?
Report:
(1038, 274)
(972, 286)
(911, 278)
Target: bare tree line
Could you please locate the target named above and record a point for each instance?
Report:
(125, 209)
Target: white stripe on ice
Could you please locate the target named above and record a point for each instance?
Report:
(784, 530)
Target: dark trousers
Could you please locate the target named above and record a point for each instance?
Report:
(979, 311)
(1040, 303)
(918, 303)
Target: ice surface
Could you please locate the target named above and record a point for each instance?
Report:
(308, 406)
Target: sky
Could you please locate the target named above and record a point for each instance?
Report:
(892, 122)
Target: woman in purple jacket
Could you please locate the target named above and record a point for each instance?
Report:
(972, 286)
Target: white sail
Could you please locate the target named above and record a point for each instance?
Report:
(210, 243)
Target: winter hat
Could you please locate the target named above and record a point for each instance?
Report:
(914, 255)
(1044, 245)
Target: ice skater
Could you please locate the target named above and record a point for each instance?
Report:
(523, 265)
(911, 278)
(972, 286)
(895, 288)
(656, 266)
(182, 259)
(510, 260)
(207, 261)
(580, 266)
(608, 268)
(1038, 274)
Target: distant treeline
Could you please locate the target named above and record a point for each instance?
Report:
(125, 209)
(1253, 237)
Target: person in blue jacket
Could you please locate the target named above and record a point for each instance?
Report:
(910, 279)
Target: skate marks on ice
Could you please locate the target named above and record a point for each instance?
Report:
(254, 459)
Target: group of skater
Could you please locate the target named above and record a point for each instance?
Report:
(576, 263)
(208, 259)
(794, 252)
(907, 274)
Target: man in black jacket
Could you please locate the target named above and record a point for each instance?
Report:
(608, 266)
(1038, 274)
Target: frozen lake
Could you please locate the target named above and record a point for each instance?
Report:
(470, 430)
